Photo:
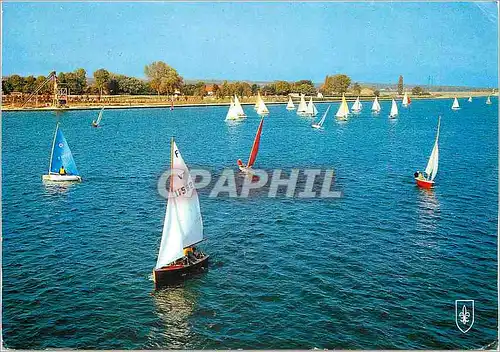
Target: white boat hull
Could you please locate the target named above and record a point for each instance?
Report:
(290, 108)
(316, 126)
(61, 178)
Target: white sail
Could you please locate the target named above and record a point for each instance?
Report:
(394, 109)
(301, 110)
(259, 98)
(262, 109)
(322, 121)
(356, 106)
(455, 105)
(343, 110)
(238, 107)
(290, 105)
(183, 225)
(99, 118)
(376, 105)
(469, 100)
(488, 101)
(311, 109)
(405, 100)
(433, 163)
(231, 113)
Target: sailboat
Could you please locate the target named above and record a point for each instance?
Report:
(406, 100)
(96, 123)
(182, 227)
(259, 98)
(427, 180)
(469, 100)
(62, 167)
(302, 109)
(311, 108)
(322, 121)
(262, 109)
(247, 169)
(343, 110)
(488, 101)
(394, 110)
(356, 106)
(376, 106)
(232, 114)
(238, 108)
(455, 105)
(290, 105)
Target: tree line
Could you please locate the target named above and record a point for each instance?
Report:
(163, 79)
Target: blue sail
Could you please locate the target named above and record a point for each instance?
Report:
(61, 155)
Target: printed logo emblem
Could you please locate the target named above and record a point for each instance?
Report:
(464, 314)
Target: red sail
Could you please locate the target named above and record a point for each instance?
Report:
(409, 100)
(255, 147)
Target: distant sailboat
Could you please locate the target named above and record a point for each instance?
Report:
(394, 109)
(290, 105)
(182, 227)
(343, 110)
(488, 101)
(356, 106)
(259, 98)
(302, 109)
(62, 166)
(376, 106)
(262, 109)
(469, 100)
(253, 153)
(96, 123)
(427, 180)
(455, 105)
(238, 108)
(232, 114)
(406, 100)
(311, 108)
(322, 121)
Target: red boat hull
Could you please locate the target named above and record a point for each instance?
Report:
(173, 274)
(424, 183)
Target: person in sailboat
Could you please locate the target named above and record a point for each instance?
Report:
(62, 170)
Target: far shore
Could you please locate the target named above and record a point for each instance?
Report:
(121, 102)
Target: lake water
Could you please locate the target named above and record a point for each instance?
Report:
(380, 267)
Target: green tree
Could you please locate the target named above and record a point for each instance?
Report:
(356, 88)
(6, 87)
(282, 87)
(336, 84)
(400, 85)
(162, 77)
(376, 93)
(255, 89)
(268, 89)
(215, 90)
(29, 84)
(16, 82)
(224, 89)
(101, 77)
(417, 90)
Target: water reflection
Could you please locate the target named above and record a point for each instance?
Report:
(428, 211)
(57, 187)
(174, 306)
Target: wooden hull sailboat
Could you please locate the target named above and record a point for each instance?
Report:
(247, 169)
(182, 229)
(175, 273)
(62, 166)
(426, 179)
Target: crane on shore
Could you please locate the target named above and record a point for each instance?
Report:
(60, 94)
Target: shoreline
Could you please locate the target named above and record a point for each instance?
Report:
(438, 95)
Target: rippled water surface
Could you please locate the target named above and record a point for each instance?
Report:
(380, 267)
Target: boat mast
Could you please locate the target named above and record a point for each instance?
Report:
(53, 146)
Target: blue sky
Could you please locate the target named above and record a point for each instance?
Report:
(455, 43)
